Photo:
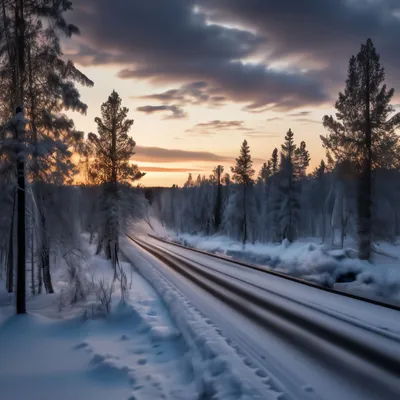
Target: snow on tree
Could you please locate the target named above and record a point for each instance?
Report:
(113, 149)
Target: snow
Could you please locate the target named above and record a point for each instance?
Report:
(68, 351)
(221, 371)
(316, 369)
(309, 259)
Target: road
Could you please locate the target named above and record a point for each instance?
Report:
(311, 343)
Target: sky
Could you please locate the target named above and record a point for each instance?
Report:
(200, 76)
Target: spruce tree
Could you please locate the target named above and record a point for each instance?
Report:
(289, 208)
(113, 149)
(265, 173)
(243, 173)
(363, 132)
(274, 162)
(303, 159)
(217, 173)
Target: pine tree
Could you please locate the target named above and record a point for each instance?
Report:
(319, 194)
(243, 175)
(189, 182)
(274, 162)
(364, 133)
(265, 173)
(113, 150)
(303, 159)
(289, 189)
(217, 173)
(30, 36)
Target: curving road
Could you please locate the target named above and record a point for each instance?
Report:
(314, 344)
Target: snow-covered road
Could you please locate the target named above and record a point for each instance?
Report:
(298, 341)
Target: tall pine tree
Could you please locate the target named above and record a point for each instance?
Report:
(289, 207)
(363, 132)
(113, 149)
(243, 173)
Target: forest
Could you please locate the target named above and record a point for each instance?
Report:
(353, 193)
(58, 183)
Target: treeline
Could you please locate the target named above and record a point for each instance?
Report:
(42, 215)
(355, 192)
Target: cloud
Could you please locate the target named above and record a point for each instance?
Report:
(168, 42)
(194, 93)
(308, 121)
(176, 112)
(300, 114)
(168, 170)
(158, 154)
(302, 48)
(273, 119)
(317, 35)
(212, 127)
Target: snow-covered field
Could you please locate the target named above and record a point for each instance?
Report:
(64, 352)
(307, 259)
(155, 345)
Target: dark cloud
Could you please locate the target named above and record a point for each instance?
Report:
(273, 119)
(262, 89)
(176, 112)
(319, 34)
(194, 93)
(158, 154)
(169, 42)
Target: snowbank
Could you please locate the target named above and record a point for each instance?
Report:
(315, 262)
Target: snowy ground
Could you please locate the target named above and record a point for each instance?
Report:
(75, 353)
(307, 259)
(250, 359)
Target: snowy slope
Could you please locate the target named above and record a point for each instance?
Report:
(75, 353)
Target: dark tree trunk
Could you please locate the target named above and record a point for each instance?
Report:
(365, 186)
(21, 239)
(39, 278)
(99, 245)
(218, 203)
(33, 289)
(244, 215)
(45, 256)
(10, 258)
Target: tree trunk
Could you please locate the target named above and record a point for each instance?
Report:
(99, 245)
(21, 239)
(218, 201)
(244, 216)
(365, 187)
(45, 253)
(39, 278)
(45, 257)
(289, 232)
(33, 289)
(10, 258)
